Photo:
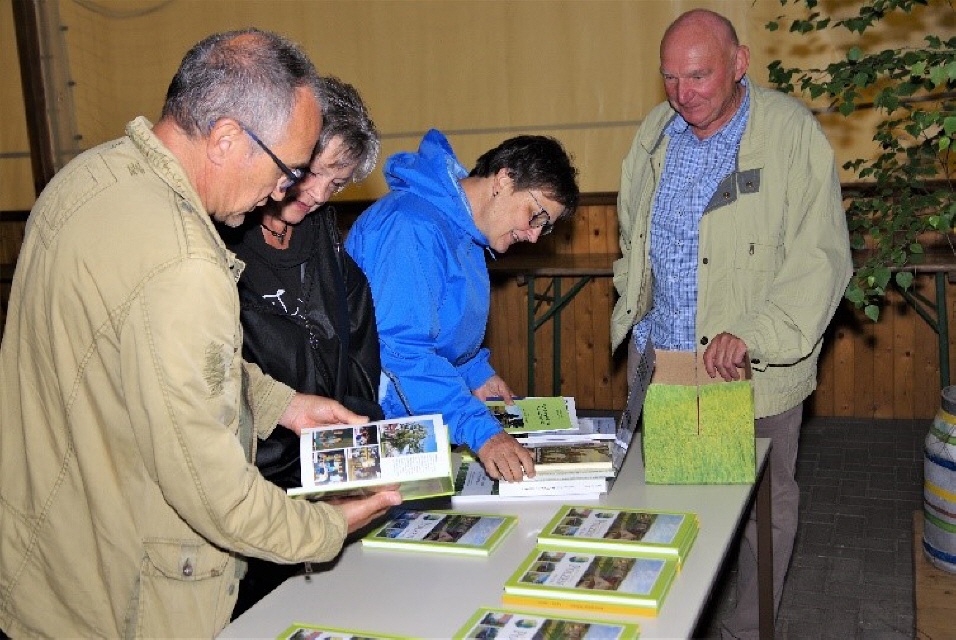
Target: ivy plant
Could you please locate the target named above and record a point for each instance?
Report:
(904, 199)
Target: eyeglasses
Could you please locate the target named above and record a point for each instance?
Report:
(293, 176)
(541, 220)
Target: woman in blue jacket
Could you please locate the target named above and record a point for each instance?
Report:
(423, 246)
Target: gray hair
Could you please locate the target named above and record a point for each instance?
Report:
(344, 116)
(248, 75)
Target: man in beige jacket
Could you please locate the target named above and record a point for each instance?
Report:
(128, 416)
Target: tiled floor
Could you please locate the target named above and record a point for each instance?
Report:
(851, 574)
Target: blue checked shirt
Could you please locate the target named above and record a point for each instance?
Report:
(692, 170)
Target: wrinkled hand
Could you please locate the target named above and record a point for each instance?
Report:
(725, 353)
(494, 387)
(359, 512)
(505, 459)
(316, 411)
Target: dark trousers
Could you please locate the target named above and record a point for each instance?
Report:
(260, 580)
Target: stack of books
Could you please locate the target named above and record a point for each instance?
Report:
(667, 534)
(473, 484)
(603, 559)
(574, 457)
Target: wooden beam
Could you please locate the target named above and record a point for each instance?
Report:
(26, 18)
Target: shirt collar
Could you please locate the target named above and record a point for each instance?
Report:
(678, 126)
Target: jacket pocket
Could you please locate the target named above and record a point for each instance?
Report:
(184, 590)
(758, 256)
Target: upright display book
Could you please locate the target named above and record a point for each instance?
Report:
(474, 534)
(412, 452)
(300, 631)
(514, 624)
(529, 415)
(600, 528)
(613, 583)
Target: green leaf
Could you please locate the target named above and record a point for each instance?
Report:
(772, 25)
(904, 279)
(846, 108)
(854, 54)
(949, 125)
(943, 144)
(872, 312)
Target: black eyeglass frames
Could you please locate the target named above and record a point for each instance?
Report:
(541, 220)
(293, 176)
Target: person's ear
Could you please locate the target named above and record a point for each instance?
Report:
(741, 62)
(224, 140)
(503, 181)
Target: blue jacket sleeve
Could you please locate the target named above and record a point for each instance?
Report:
(406, 265)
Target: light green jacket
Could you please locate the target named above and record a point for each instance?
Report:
(125, 493)
(774, 254)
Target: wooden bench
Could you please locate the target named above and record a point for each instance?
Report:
(935, 591)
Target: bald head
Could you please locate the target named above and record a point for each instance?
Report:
(706, 23)
(702, 65)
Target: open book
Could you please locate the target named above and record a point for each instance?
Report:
(411, 452)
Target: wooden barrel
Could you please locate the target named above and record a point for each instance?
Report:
(939, 485)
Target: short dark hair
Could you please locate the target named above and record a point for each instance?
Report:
(534, 162)
(344, 116)
(249, 75)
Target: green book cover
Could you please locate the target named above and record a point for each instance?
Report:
(615, 580)
(514, 624)
(599, 528)
(534, 414)
(299, 631)
(439, 531)
(342, 460)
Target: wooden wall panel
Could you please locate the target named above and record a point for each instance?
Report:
(888, 369)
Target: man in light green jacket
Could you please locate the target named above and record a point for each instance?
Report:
(128, 416)
(734, 242)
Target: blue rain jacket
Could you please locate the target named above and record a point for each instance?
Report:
(425, 261)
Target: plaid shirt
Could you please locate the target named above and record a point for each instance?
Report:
(692, 170)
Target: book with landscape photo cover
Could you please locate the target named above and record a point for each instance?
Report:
(439, 531)
(514, 624)
(600, 528)
(412, 452)
(606, 582)
(572, 457)
(299, 631)
(529, 415)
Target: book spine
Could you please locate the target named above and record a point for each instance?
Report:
(577, 605)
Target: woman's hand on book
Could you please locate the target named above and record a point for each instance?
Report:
(505, 459)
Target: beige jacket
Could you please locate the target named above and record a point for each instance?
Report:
(774, 255)
(125, 494)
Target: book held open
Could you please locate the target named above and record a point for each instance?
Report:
(412, 452)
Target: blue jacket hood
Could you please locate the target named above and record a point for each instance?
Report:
(432, 173)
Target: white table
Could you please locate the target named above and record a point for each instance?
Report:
(430, 596)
